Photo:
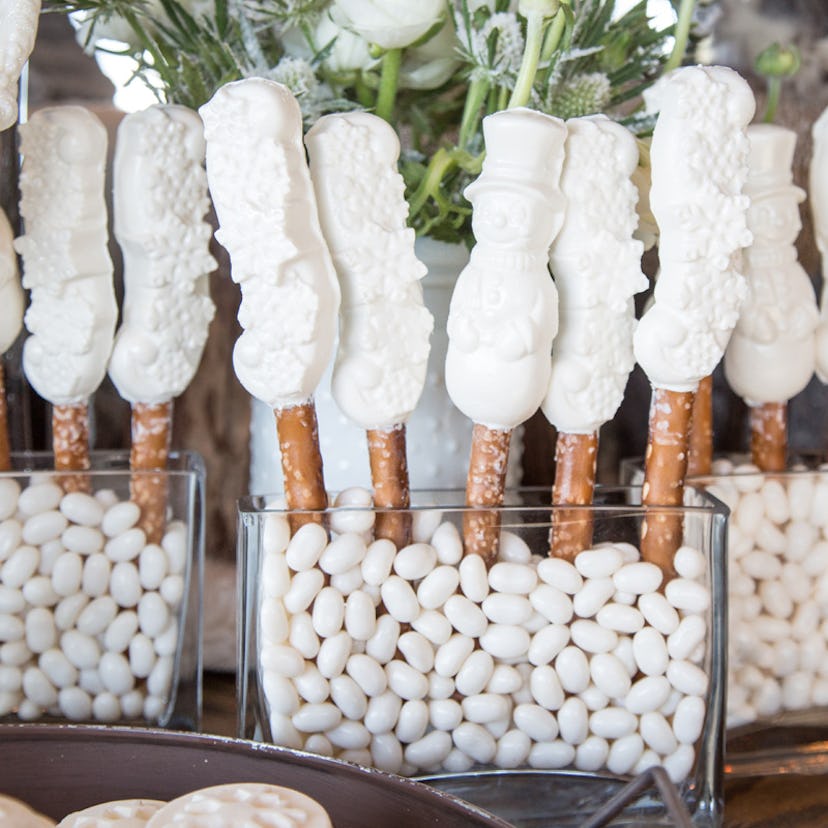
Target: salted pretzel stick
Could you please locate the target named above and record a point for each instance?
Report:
(389, 474)
(151, 433)
(700, 459)
(70, 444)
(769, 436)
(597, 268)
(576, 457)
(701, 214)
(260, 183)
(503, 313)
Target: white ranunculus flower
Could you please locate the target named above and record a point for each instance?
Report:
(432, 64)
(391, 24)
(349, 52)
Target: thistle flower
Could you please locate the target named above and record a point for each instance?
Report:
(581, 95)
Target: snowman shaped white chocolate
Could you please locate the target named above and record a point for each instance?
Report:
(504, 309)
(771, 355)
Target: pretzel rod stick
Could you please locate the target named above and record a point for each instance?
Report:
(389, 476)
(5, 450)
(301, 462)
(485, 486)
(769, 436)
(664, 473)
(70, 443)
(151, 431)
(700, 460)
(575, 461)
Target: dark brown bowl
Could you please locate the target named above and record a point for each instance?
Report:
(58, 769)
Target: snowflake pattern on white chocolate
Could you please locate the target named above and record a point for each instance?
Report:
(381, 361)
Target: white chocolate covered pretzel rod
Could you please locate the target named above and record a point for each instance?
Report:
(11, 321)
(19, 20)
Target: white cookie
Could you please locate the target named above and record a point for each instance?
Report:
(125, 813)
(240, 804)
(16, 814)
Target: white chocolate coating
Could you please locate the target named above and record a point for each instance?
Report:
(67, 267)
(597, 268)
(160, 199)
(266, 208)
(17, 37)
(123, 813)
(772, 353)
(11, 293)
(504, 309)
(242, 803)
(699, 167)
(384, 327)
(818, 194)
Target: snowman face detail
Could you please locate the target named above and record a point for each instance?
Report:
(510, 220)
(775, 219)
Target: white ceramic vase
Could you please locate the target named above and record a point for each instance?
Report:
(438, 434)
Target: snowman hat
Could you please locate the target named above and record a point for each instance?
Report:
(524, 151)
(771, 157)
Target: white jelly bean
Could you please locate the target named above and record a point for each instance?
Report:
(67, 574)
(438, 586)
(333, 654)
(658, 612)
(81, 508)
(97, 615)
(400, 599)
(592, 637)
(650, 651)
(573, 669)
(445, 714)
(513, 548)
(417, 651)
(485, 707)
(412, 721)
(328, 612)
(612, 722)
(116, 674)
(591, 755)
(125, 584)
(342, 553)
(505, 641)
(303, 589)
(68, 610)
(424, 523)
(536, 722)
(434, 626)
(303, 636)
(620, 618)
(594, 594)
(504, 679)
(152, 566)
(610, 675)
(284, 660)
(142, 656)
(415, 561)
(316, 718)
(450, 656)
(474, 579)
(573, 720)
(502, 608)
(280, 693)
(386, 752)
(311, 685)
(38, 688)
(513, 578)
(638, 577)
(153, 614)
(382, 645)
(19, 567)
(376, 565)
(38, 592)
(11, 599)
(75, 704)
(545, 687)
(405, 681)
(447, 544)
(601, 562)
(275, 576)
(689, 634)
(41, 633)
(551, 755)
(465, 616)
(360, 616)
(97, 569)
(11, 533)
(159, 680)
(82, 539)
(687, 595)
(383, 712)
(120, 517)
(349, 697)
(475, 741)
(679, 764)
(15, 653)
(687, 678)
(547, 642)
(82, 650)
(648, 694)
(625, 753)
(9, 494)
(552, 603)
(126, 546)
(688, 720)
(41, 497)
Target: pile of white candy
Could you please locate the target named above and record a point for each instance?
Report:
(88, 610)
(778, 590)
(421, 660)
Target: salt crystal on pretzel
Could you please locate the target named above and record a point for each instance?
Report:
(597, 268)
(264, 200)
(699, 168)
(771, 356)
(67, 267)
(504, 309)
(384, 327)
(160, 199)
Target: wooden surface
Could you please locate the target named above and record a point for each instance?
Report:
(782, 801)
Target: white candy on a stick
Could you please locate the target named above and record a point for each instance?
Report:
(504, 309)
(17, 39)
(772, 354)
(66, 266)
(597, 268)
(818, 196)
(262, 192)
(699, 167)
(11, 321)
(160, 199)
(384, 326)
